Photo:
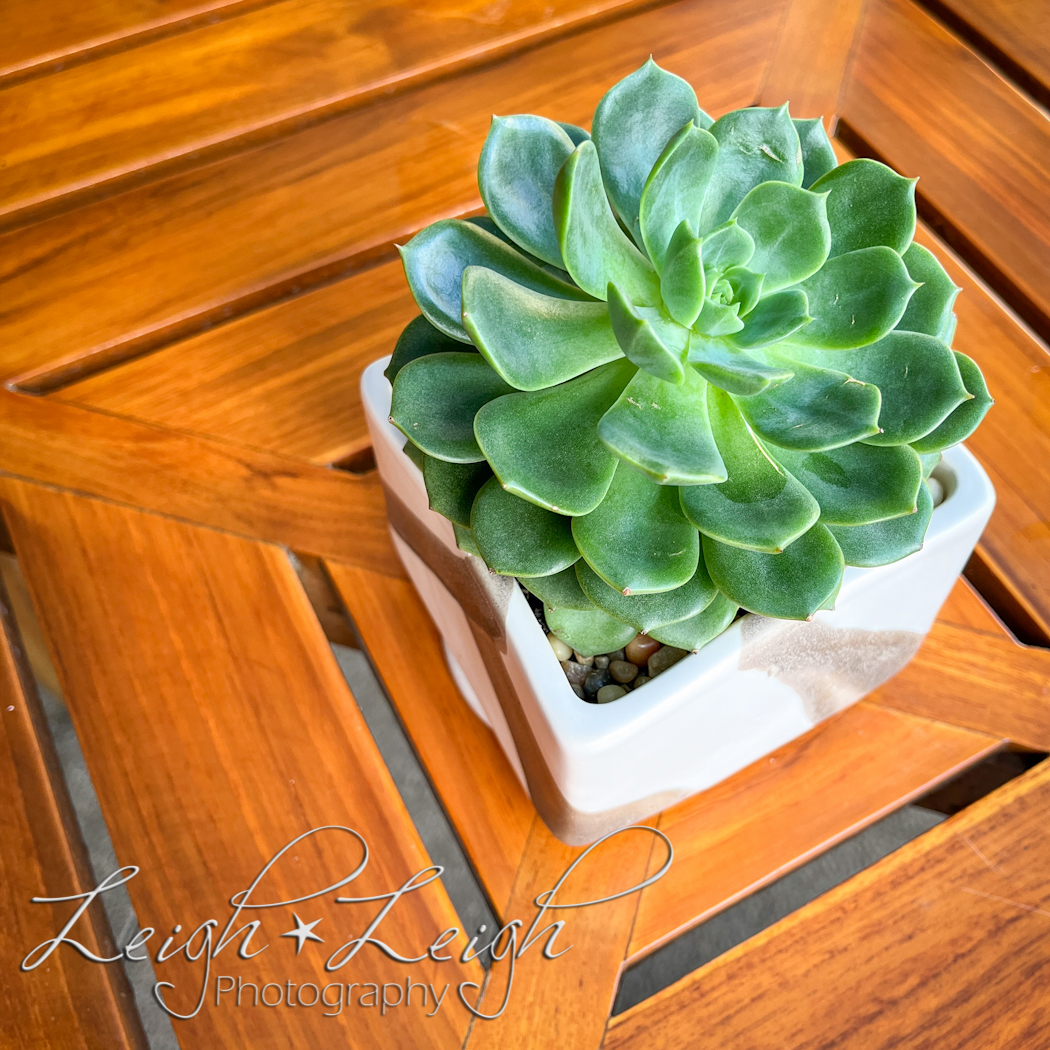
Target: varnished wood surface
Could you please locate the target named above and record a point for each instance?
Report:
(67, 1002)
(943, 943)
(127, 273)
(216, 724)
(930, 107)
(101, 121)
(762, 822)
(477, 787)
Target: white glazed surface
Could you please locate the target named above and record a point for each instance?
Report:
(704, 718)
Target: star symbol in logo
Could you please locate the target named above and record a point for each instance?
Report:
(303, 932)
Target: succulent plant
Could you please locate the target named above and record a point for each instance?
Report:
(681, 366)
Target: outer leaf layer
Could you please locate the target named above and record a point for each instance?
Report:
(636, 539)
(930, 308)
(560, 590)
(886, 541)
(818, 157)
(698, 630)
(419, 339)
(451, 487)
(790, 586)
(961, 422)
(589, 632)
(544, 446)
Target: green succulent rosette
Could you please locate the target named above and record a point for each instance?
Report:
(681, 366)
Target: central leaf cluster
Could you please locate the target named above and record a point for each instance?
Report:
(681, 366)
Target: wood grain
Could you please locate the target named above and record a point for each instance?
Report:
(269, 497)
(480, 793)
(66, 1002)
(126, 274)
(1016, 367)
(966, 608)
(811, 57)
(101, 122)
(565, 1002)
(943, 943)
(217, 727)
(989, 683)
(980, 147)
(284, 379)
(762, 822)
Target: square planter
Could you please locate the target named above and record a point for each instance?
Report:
(591, 768)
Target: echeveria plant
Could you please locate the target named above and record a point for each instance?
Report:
(681, 366)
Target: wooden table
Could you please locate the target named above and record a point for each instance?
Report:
(198, 206)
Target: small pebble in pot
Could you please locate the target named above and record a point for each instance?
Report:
(580, 658)
(601, 662)
(623, 671)
(618, 655)
(595, 681)
(639, 649)
(561, 650)
(936, 491)
(664, 658)
(575, 672)
(640, 681)
(608, 693)
(578, 690)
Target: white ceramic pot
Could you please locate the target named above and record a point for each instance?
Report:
(591, 768)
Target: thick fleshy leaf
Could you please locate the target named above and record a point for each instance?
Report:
(520, 160)
(885, 541)
(596, 251)
(435, 401)
(929, 462)
(733, 370)
(674, 191)
(959, 424)
(761, 506)
(637, 539)
(857, 484)
(869, 204)
(465, 540)
(818, 157)
(577, 134)
(790, 586)
(419, 339)
(776, 317)
(716, 318)
(416, 454)
(728, 245)
(747, 288)
(663, 430)
(451, 487)
(755, 146)
(517, 538)
(947, 333)
(790, 229)
(646, 611)
(560, 590)
(855, 299)
(589, 632)
(695, 632)
(544, 445)
(534, 340)
(682, 281)
(644, 340)
(918, 377)
(816, 409)
(435, 259)
(930, 308)
(633, 123)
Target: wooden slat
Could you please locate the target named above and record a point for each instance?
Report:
(944, 943)
(478, 789)
(67, 1002)
(41, 37)
(782, 810)
(217, 727)
(974, 679)
(103, 121)
(966, 608)
(225, 486)
(811, 57)
(283, 379)
(1017, 369)
(930, 107)
(128, 273)
(1014, 34)
(565, 1002)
